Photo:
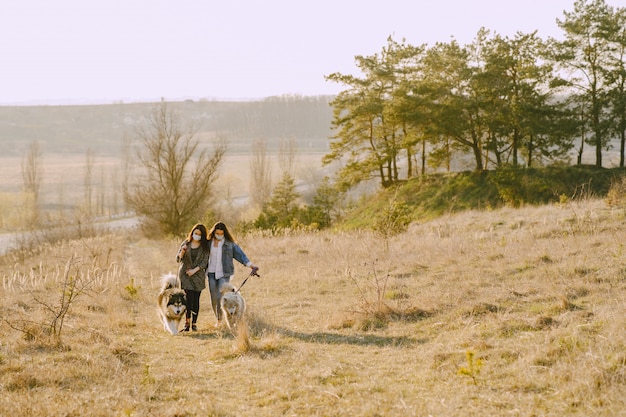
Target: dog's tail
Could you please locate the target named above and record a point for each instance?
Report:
(170, 281)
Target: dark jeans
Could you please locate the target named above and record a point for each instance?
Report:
(193, 304)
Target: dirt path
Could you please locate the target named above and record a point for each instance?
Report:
(10, 241)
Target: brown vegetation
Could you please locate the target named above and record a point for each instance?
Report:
(506, 312)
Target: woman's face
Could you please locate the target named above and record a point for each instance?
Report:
(219, 234)
(197, 235)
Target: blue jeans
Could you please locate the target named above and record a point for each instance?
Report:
(215, 285)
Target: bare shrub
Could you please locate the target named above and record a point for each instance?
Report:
(392, 220)
(372, 309)
(72, 284)
(616, 196)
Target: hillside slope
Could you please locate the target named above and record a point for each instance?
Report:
(431, 196)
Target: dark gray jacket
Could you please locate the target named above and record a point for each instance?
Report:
(196, 282)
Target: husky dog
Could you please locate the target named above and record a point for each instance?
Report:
(233, 307)
(172, 303)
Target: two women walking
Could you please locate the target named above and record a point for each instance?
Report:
(208, 255)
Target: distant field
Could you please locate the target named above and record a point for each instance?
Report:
(102, 128)
(68, 170)
(63, 184)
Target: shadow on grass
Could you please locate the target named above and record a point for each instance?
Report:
(259, 327)
(358, 339)
(209, 334)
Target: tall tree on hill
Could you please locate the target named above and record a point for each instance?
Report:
(173, 189)
(519, 109)
(551, 129)
(616, 75)
(420, 102)
(583, 55)
(404, 108)
(369, 137)
(357, 112)
(457, 104)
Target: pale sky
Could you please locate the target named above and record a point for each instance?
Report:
(100, 51)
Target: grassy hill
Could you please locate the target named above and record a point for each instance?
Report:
(476, 313)
(430, 196)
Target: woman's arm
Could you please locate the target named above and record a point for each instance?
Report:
(241, 257)
(181, 251)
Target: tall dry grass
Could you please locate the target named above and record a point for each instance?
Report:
(507, 312)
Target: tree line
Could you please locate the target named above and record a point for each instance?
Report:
(516, 101)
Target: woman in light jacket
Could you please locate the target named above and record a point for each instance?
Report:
(223, 249)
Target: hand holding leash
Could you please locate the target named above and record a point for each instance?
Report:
(253, 272)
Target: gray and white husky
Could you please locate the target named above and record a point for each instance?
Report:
(233, 307)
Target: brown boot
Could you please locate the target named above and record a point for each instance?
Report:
(186, 329)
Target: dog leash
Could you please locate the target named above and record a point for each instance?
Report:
(252, 273)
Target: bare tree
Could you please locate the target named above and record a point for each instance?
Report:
(287, 156)
(101, 195)
(88, 180)
(114, 206)
(125, 166)
(173, 189)
(261, 173)
(32, 176)
(61, 199)
(226, 208)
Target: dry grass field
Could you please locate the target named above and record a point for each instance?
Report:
(512, 312)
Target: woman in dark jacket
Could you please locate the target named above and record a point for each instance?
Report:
(193, 256)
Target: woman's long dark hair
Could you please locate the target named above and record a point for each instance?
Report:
(221, 226)
(205, 239)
